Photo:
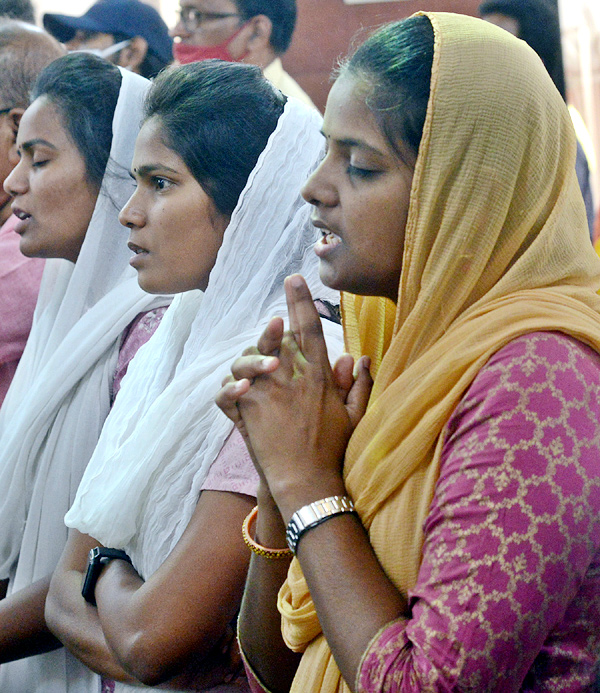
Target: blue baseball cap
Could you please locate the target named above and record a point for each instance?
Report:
(127, 17)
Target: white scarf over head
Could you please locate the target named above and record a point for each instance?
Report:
(55, 408)
(165, 430)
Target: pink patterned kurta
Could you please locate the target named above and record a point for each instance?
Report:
(508, 594)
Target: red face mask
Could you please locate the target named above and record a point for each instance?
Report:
(188, 53)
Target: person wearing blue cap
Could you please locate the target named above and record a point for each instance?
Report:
(129, 33)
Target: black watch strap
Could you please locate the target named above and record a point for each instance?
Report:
(98, 558)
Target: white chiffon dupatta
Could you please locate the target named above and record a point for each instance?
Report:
(165, 430)
(57, 403)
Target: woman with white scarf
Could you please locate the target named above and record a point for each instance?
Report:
(85, 113)
(218, 217)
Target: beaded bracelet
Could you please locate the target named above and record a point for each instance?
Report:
(254, 546)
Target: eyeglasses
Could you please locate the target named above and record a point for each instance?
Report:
(192, 19)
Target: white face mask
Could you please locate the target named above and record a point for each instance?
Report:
(104, 52)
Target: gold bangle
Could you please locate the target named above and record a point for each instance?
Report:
(257, 548)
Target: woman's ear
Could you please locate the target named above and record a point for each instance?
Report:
(134, 54)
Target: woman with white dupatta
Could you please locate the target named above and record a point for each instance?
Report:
(217, 216)
(85, 113)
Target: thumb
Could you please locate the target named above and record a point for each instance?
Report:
(228, 396)
(358, 397)
(343, 375)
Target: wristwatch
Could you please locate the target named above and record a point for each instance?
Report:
(97, 559)
(314, 514)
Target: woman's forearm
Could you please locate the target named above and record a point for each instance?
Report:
(260, 621)
(23, 629)
(78, 624)
(75, 623)
(353, 596)
(127, 623)
(140, 646)
(170, 624)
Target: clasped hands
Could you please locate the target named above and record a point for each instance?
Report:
(295, 412)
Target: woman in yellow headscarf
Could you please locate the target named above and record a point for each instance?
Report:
(446, 523)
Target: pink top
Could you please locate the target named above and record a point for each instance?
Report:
(233, 469)
(137, 333)
(508, 594)
(20, 279)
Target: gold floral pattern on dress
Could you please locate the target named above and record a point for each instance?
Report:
(508, 595)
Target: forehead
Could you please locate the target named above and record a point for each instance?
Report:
(151, 149)
(215, 6)
(43, 120)
(347, 116)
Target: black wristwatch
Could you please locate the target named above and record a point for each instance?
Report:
(98, 558)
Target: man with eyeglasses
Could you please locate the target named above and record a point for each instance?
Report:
(250, 31)
(129, 33)
(24, 51)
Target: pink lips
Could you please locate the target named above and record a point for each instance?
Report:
(21, 214)
(139, 254)
(326, 244)
(138, 250)
(23, 218)
(328, 241)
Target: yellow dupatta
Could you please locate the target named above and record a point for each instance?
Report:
(496, 246)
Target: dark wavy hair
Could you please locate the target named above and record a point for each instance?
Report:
(217, 116)
(395, 65)
(85, 90)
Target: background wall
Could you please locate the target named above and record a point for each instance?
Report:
(326, 28)
(580, 20)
